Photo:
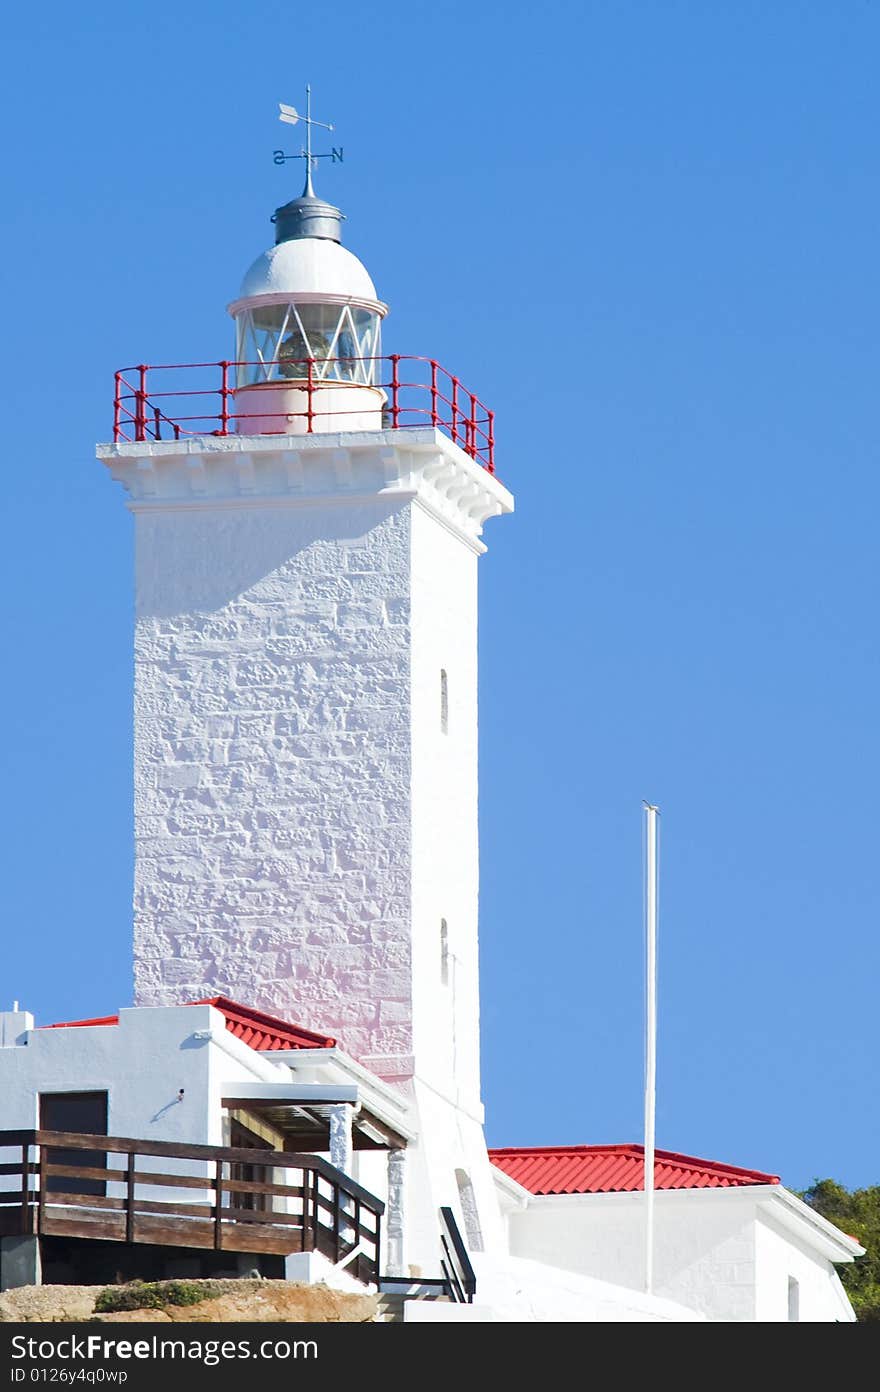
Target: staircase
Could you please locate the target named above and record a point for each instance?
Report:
(392, 1302)
(457, 1285)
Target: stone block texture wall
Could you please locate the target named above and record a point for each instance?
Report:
(273, 764)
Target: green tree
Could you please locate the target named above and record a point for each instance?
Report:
(856, 1213)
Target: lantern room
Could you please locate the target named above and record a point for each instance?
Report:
(308, 331)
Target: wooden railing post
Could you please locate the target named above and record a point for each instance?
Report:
(129, 1198)
(337, 1222)
(313, 1238)
(304, 1211)
(218, 1200)
(42, 1182)
(25, 1186)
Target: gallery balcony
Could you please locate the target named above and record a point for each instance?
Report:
(300, 396)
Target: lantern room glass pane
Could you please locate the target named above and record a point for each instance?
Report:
(276, 343)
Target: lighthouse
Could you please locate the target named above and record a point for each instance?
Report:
(308, 523)
(296, 1089)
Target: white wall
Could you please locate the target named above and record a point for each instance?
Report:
(272, 764)
(286, 748)
(303, 824)
(716, 1250)
(780, 1256)
(141, 1063)
(444, 809)
(450, 1140)
(704, 1252)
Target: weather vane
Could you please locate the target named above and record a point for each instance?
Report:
(291, 117)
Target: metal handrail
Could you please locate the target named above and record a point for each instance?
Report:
(459, 1280)
(457, 1266)
(441, 401)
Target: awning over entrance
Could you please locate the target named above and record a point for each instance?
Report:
(297, 1116)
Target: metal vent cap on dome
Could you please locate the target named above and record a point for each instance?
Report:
(308, 216)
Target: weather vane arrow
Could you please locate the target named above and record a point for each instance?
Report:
(291, 117)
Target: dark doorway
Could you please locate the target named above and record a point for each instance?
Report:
(86, 1114)
(241, 1137)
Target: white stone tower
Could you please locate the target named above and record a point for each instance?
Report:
(308, 525)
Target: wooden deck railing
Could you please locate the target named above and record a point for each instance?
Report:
(68, 1184)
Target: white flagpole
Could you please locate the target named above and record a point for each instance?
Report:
(651, 878)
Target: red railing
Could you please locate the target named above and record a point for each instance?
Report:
(149, 403)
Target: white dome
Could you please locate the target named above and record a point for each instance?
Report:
(308, 265)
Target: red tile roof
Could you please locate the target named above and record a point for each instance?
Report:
(615, 1169)
(263, 1032)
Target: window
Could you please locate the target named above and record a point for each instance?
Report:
(275, 342)
(444, 702)
(468, 1201)
(794, 1299)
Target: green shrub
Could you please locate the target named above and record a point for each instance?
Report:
(154, 1295)
(856, 1212)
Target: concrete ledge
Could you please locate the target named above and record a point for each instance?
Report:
(20, 1263)
(445, 1312)
(313, 1268)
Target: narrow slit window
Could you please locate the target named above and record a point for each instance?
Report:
(444, 701)
(794, 1299)
(469, 1210)
(444, 952)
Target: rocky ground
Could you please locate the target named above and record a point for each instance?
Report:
(238, 1300)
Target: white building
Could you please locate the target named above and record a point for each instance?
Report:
(308, 522)
(733, 1244)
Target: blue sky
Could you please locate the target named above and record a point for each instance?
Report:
(646, 232)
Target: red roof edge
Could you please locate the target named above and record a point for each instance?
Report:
(269, 1031)
(264, 1032)
(78, 1024)
(724, 1173)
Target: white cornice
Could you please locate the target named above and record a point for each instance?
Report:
(772, 1199)
(792, 1213)
(347, 468)
(275, 297)
(515, 1192)
(387, 1103)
